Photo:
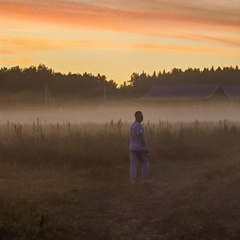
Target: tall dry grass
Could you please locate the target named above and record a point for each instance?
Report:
(92, 146)
(41, 164)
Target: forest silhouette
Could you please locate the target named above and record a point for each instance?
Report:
(29, 83)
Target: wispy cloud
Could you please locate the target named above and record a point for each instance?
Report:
(184, 49)
(27, 43)
(233, 41)
(22, 44)
(158, 17)
(6, 51)
(30, 45)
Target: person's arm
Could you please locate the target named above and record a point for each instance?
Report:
(142, 140)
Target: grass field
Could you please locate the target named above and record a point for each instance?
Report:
(71, 181)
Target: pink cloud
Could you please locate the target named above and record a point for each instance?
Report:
(135, 16)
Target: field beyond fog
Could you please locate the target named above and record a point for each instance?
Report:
(70, 180)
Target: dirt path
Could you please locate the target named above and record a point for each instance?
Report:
(131, 213)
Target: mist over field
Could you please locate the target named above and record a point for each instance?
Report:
(104, 114)
(58, 170)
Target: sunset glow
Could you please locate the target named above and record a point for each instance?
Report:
(117, 38)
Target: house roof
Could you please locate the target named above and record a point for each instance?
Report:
(233, 92)
(196, 91)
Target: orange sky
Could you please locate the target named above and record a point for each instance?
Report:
(117, 38)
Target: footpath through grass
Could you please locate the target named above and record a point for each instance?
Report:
(68, 181)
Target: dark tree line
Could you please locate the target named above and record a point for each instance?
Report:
(139, 83)
(81, 86)
(34, 79)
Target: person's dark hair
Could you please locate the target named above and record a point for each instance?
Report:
(137, 113)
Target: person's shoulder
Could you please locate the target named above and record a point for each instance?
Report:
(139, 127)
(138, 124)
(134, 123)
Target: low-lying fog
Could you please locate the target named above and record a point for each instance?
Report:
(126, 114)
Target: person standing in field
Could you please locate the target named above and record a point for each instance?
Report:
(139, 152)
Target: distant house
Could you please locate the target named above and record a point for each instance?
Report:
(185, 92)
(197, 93)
